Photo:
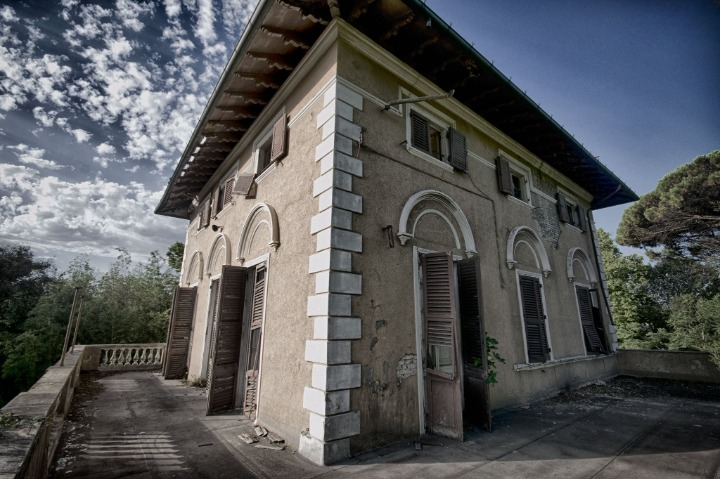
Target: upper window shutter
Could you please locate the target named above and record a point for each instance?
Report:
(582, 224)
(504, 175)
(278, 150)
(178, 338)
(419, 132)
(227, 198)
(586, 319)
(206, 214)
(562, 208)
(458, 149)
(245, 185)
(258, 304)
(534, 317)
(439, 302)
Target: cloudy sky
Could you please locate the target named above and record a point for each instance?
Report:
(98, 99)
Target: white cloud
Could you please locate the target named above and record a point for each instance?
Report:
(131, 11)
(7, 14)
(34, 157)
(81, 136)
(105, 149)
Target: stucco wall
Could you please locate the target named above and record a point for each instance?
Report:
(682, 365)
(288, 189)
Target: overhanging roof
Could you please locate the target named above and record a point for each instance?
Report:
(281, 32)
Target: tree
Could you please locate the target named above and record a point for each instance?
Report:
(682, 213)
(175, 255)
(637, 315)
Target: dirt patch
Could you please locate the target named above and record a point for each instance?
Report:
(627, 387)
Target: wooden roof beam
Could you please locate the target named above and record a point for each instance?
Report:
(260, 79)
(398, 23)
(248, 97)
(288, 37)
(272, 60)
(232, 125)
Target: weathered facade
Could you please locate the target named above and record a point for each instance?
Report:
(355, 230)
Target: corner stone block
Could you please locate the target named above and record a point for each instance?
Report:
(333, 378)
(330, 259)
(327, 352)
(339, 239)
(342, 127)
(326, 403)
(341, 161)
(331, 217)
(337, 328)
(329, 305)
(337, 282)
(334, 142)
(340, 199)
(339, 426)
(332, 179)
(324, 453)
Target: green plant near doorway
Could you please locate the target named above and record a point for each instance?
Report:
(493, 357)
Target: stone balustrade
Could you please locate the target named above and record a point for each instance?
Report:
(126, 357)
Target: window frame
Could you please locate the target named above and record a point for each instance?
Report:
(573, 210)
(546, 321)
(523, 174)
(264, 142)
(437, 120)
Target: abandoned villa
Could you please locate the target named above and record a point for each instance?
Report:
(368, 200)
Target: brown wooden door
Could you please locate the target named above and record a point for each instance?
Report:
(178, 338)
(225, 349)
(443, 376)
(476, 392)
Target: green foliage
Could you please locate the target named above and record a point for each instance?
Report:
(682, 213)
(493, 357)
(637, 315)
(129, 303)
(175, 255)
(695, 324)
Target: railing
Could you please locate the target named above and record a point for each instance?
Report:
(27, 448)
(127, 357)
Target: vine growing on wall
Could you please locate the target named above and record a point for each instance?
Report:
(493, 357)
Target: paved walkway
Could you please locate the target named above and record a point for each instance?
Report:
(142, 426)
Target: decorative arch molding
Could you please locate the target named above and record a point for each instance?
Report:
(252, 224)
(579, 255)
(195, 269)
(526, 235)
(220, 250)
(432, 195)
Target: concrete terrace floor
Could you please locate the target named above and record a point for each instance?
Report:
(138, 425)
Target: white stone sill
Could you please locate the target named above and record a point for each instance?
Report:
(558, 362)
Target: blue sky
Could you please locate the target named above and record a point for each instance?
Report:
(98, 99)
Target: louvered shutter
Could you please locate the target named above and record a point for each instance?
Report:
(504, 176)
(582, 224)
(256, 320)
(227, 197)
(206, 214)
(458, 149)
(586, 319)
(562, 208)
(244, 185)
(419, 137)
(178, 342)
(222, 381)
(534, 317)
(278, 149)
(439, 302)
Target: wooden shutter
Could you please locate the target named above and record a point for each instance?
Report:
(582, 224)
(534, 317)
(206, 214)
(477, 394)
(562, 208)
(278, 149)
(504, 175)
(439, 301)
(222, 381)
(227, 197)
(253, 363)
(245, 185)
(458, 149)
(586, 319)
(419, 137)
(178, 342)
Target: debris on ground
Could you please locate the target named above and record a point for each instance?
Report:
(247, 438)
(274, 448)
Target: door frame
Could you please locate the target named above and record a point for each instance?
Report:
(209, 325)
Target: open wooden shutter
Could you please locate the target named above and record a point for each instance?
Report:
(245, 185)
(504, 175)
(178, 339)
(582, 224)
(419, 137)
(227, 197)
(592, 337)
(562, 208)
(278, 149)
(222, 380)
(458, 149)
(256, 321)
(206, 214)
(439, 297)
(477, 394)
(534, 317)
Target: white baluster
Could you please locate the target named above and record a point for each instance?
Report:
(113, 357)
(143, 357)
